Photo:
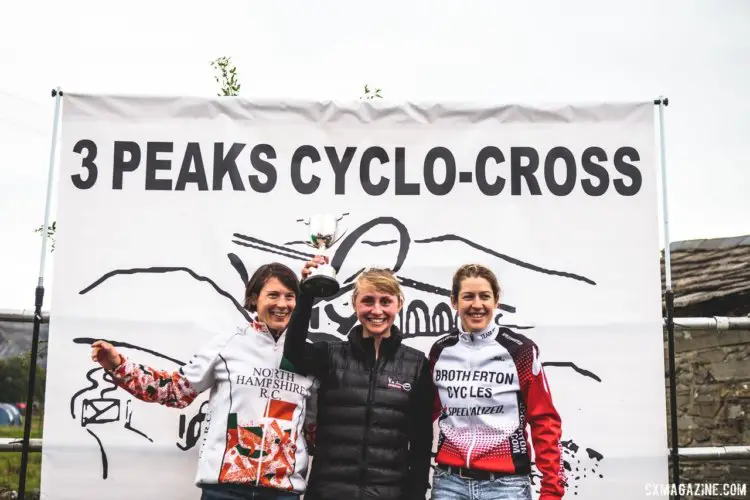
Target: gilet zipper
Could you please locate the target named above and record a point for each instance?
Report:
(368, 415)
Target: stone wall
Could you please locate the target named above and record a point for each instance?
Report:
(713, 400)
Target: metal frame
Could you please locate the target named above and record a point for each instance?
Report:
(674, 453)
(716, 323)
(710, 453)
(57, 94)
(687, 323)
(691, 454)
(21, 316)
(15, 444)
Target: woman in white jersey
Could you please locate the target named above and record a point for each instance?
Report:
(254, 447)
(489, 385)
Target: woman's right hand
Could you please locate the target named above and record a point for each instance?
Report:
(318, 260)
(105, 354)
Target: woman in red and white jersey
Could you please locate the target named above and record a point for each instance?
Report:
(489, 384)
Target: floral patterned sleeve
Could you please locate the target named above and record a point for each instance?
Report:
(154, 386)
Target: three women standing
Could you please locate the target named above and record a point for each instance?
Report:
(377, 399)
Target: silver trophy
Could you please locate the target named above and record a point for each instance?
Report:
(324, 232)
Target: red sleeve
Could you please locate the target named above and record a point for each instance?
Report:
(154, 386)
(546, 430)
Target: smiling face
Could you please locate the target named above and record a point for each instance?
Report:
(475, 295)
(377, 301)
(475, 304)
(275, 304)
(376, 311)
(272, 293)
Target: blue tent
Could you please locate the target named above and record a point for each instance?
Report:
(9, 414)
(19, 415)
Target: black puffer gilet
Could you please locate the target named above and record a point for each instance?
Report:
(363, 420)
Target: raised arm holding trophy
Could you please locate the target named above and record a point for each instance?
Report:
(324, 232)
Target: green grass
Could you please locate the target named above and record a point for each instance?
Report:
(10, 462)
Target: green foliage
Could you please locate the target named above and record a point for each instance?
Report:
(14, 376)
(16, 431)
(10, 469)
(41, 353)
(10, 462)
(226, 76)
(371, 93)
(51, 231)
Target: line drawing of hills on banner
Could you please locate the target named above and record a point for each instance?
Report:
(415, 320)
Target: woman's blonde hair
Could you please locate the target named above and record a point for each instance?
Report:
(382, 280)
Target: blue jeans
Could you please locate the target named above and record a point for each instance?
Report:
(237, 492)
(447, 486)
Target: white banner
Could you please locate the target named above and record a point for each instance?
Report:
(166, 205)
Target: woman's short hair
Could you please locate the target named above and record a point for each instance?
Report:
(260, 277)
(474, 271)
(382, 280)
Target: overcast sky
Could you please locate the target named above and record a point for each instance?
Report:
(695, 52)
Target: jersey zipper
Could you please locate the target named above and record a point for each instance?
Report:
(368, 414)
(265, 419)
(262, 444)
(473, 427)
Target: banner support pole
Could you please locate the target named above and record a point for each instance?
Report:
(662, 102)
(39, 299)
